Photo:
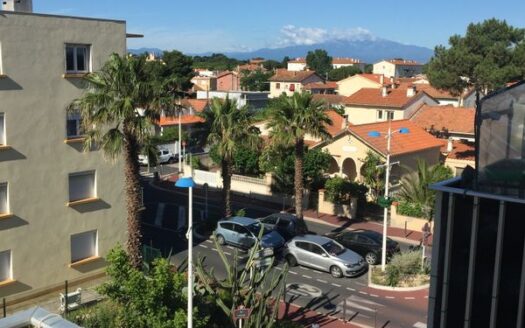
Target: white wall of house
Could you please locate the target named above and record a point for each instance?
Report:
(352, 84)
(291, 66)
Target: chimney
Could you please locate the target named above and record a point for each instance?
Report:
(345, 122)
(411, 91)
(384, 91)
(25, 6)
(450, 146)
(381, 79)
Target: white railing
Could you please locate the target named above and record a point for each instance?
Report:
(242, 178)
(201, 177)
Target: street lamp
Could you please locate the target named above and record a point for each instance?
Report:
(187, 182)
(376, 134)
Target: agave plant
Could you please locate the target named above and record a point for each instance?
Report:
(256, 289)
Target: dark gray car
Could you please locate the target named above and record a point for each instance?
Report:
(284, 223)
(324, 254)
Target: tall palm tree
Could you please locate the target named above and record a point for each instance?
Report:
(415, 187)
(112, 120)
(373, 175)
(289, 120)
(228, 127)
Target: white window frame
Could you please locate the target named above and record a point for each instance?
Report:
(390, 115)
(1, 63)
(379, 114)
(6, 205)
(9, 268)
(94, 188)
(75, 47)
(74, 117)
(3, 137)
(82, 253)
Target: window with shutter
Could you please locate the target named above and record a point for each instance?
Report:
(4, 200)
(82, 186)
(5, 266)
(83, 246)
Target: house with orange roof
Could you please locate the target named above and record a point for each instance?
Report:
(297, 64)
(371, 105)
(288, 82)
(398, 68)
(322, 87)
(188, 118)
(352, 84)
(204, 83)
(338, 62)
(446, 122)
(350, 146)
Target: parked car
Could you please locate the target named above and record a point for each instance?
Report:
(284, 223)
(367, 243)
(163, 156)
(323, 253)
(243, 232)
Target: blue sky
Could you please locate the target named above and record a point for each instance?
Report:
(236, 25)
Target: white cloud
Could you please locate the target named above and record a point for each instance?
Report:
(295, 35)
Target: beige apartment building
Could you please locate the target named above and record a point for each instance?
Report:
(61, 209)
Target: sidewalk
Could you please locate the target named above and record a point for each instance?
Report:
(308, 317)
(410, 236)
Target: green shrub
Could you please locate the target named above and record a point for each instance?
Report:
(410, 209)
(101, 315)
(339, 190)
(402, 265)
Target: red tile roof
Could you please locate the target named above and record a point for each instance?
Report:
(416, 140)
(461, 150)
(375, 77)
(250, 67)
(430, 90)
(330, 99)
(345, 60)
(282, 75)
(337, 122)
(321, 85)
(184, 119)
(197, 104)
(298, 60)
(453, 119)
(395, 98)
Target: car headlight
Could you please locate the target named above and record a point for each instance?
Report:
(352, 265)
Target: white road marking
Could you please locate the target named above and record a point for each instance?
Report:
(426, 296)
(278, 268)
(308, 277)
(292, 272)
(361, 284)
(350, 289)
(227, 253)
(364, 293)
(420, 325)
(336, 285)
(409, 298)
(229, 247)
(390, 297)
(203, 246)
(374, 295)
(323, 281)
(209, 241)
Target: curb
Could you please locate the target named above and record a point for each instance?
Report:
(394, 289)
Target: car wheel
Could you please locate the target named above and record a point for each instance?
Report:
(336, 271)
(171, 160)
(220, 240)
(292, 261)
(371, 258)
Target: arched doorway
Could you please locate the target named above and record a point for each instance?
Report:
(334, 167)
(349, 169)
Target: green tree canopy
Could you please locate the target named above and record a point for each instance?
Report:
(255, 80)
(216, 62)
(271, 64)
(319, 61)
(343, 72)
(373, 176)
(490, 54)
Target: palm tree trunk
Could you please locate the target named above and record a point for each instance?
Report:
(133, 199)
(298, 183)
(226, 172)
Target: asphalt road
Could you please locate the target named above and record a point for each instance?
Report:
(164, 228)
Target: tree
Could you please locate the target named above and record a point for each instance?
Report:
(490, 54)
(228, 127)
(316, 163)
(369, 68)
(373, 176)
(255, 80)
(319, 61)
(110, 118)
(272, 65)
(178, 68)
(343, 72)
(246, 285)
(415, 187)
(289, 120)
(216, 62)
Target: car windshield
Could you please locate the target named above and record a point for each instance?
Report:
(256, 227)
(333, 248)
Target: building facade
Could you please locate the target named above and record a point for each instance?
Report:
(398, 68)
(61, 209)
(288, 82)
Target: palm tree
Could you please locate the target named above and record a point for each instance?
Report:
(415, 187)
(112, 121)
(228, 127)
(373, 175)
(289, 120)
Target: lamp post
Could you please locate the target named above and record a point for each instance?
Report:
(180, 140)
(187, 182)
(376, 134)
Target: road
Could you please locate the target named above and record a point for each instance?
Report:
(164, 227)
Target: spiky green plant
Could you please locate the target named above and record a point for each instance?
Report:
(256, 289)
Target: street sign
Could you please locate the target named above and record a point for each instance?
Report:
(265, 252)
(263, 262)
(242, 313)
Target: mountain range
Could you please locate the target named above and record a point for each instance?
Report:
(368, 51)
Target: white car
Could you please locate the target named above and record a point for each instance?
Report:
(163, 155)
